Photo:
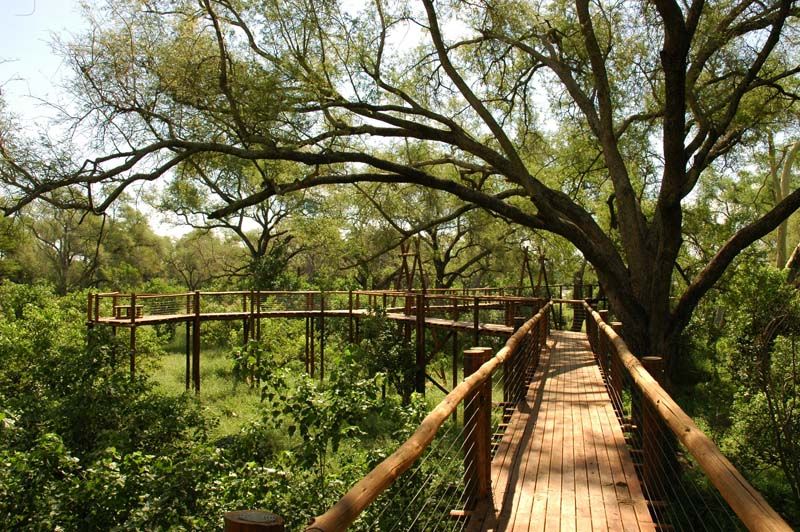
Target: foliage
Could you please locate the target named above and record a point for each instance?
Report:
(379, 352)
(742, 382)
(85, 447)
(761, 348)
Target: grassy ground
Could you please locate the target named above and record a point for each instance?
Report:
(232, 404)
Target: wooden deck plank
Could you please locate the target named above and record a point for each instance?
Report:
(564, 464)
(589, 390)
(552, 520)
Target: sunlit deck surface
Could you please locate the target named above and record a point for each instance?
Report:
(563, 463)
(486, 329)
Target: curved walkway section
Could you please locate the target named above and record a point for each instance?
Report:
(563, 463)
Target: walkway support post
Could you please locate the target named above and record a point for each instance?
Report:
(454, 355)
(188, 348)
(196, 342)
(419, 381)
(133, 336)
(350, 335)
(475, 322)
(321, 336)
(477, 428)
(245, 321)
(89, 323)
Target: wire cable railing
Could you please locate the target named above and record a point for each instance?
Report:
(437, 479)
(687, 481)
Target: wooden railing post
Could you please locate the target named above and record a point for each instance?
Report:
(252, 521)
(477, 429)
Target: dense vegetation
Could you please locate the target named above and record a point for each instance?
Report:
(84, 447)
(649, 146)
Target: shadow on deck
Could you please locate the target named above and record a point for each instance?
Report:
(563, 463)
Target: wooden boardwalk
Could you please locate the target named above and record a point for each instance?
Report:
(563, 463)
(485, 329)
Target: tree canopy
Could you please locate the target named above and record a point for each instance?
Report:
(595, 121)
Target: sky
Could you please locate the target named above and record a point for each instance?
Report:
(30, 69)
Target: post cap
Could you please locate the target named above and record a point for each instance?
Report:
(253, 520)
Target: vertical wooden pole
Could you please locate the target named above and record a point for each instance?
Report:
(114, 303)
(89, 323)
(309, 334)
(419, 380)
(312, 358)
(258, 315)
(305, 353)
(89, 307)
(350, 332)
(245, 322)
(133, 336)
(321, 336)
(188, 354)
(196, 343)
(475, 323)
(454, 301)
(477, 427)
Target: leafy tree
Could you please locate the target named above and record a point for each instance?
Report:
(68, 246)
(456, 239)
(201, 187)
(200, 258)
(131, 253)
(11, 238)
(662, 92)
(761, 348)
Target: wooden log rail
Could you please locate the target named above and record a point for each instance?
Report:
(659, 419)
(524, 342)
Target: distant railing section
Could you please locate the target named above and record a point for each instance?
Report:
(131, 307)
(441, 475)
(675, 460)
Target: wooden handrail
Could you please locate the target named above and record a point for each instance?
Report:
(365, 491)
(744, 499)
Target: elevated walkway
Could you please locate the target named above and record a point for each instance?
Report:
(563, 463)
